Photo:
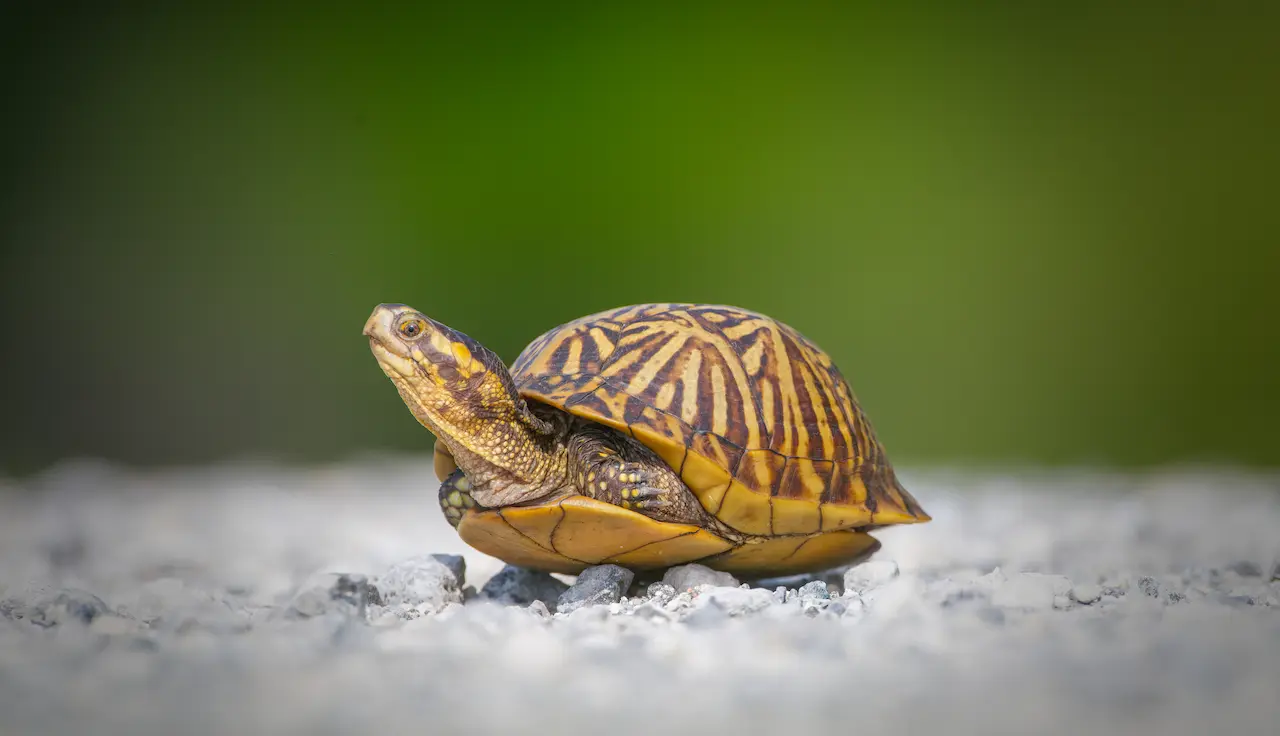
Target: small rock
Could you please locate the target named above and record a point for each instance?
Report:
(649, 611)
(457, 564)
(1086, 594)
(869, 575)
(736, 601)
(1246, 569)
(991, 615)
(601, 584)
(1149, 587)
(1031, 590)
(816, 589)
(661, 593)
(834, 579)
(356, 590)
(538, 608)
(349, 594)
(517, 586)
(56, 607)
(1274, 575)
(418, 586)
(688, 577)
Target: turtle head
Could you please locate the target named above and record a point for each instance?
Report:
(450, 382)
(434, 360)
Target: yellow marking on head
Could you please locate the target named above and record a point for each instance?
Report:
(462, 354)
(440, 343)
(418, 356)
(604, 485)
(591, 475)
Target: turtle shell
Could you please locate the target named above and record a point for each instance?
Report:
(757, 419)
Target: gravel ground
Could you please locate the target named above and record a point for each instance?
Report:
(262, 599)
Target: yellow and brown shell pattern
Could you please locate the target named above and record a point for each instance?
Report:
(757, 419)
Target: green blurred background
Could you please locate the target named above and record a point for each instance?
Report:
(1028, 234)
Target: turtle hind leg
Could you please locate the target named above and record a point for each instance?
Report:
(455, 497)
(610, 467)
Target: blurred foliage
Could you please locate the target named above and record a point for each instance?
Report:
(1031, 234)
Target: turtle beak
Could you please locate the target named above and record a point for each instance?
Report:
(382, 341)
(378, 326)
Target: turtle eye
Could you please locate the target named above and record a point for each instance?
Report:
(412, 327)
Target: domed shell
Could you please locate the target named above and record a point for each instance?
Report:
(757, 419)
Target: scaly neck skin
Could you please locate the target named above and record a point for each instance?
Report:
(506, 457)
(463, 393)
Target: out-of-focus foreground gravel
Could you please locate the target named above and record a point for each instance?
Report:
(259, 599)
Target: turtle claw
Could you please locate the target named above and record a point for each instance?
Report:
(644, 498)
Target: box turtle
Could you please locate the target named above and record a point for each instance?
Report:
(647, 436)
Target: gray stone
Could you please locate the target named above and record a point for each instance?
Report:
(1246, 569)
(517, 586)
(870, 575)
(661, 593)
(602, 584)
(343, 593)
(688, 577)
(736, 601)
(58, 607)
(1030, 590)
(1086, 593)
(1275, 571)
(457, 564)
(418, 586)
(814, 590)
(834, 579)
(1149, 587)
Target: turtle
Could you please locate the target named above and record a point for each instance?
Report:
(647, 436)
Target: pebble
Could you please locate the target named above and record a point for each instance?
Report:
(418, 586)
(735, 601)
(345, 593)
(1031, 590)
(1149, 587)
(601, 584)
(457, 564)
(661, 593)
(517, 586)
(816, 589)
(57, 607)
(1086, 593)
(688, 577)
(870, 575)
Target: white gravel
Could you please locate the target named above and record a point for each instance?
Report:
(260, 599)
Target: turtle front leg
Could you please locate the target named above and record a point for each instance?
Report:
(616, 469)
